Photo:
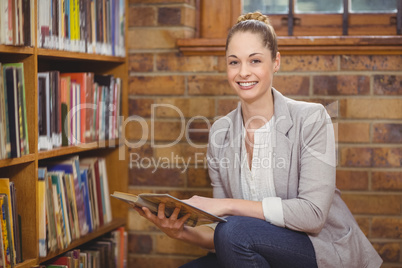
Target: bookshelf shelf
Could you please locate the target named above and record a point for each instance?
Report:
(16, 161)
(23, 171)
(26, 263)
(67, 150)
(97, 233)
(16, 49)
(61, 54)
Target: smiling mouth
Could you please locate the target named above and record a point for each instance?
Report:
(247, 84)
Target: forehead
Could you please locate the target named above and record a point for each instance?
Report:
(246, 43)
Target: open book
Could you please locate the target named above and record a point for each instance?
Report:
(152, 201)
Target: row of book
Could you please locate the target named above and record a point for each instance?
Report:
(77, 108)
(16, 22)
(90, 26)
(109, 251)
(10, 231)
(13, 115)
(73, 201)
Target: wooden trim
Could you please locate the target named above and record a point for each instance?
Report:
(305, 45)
(16, 49)
(61, 54)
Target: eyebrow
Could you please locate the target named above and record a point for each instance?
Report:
(251, 55)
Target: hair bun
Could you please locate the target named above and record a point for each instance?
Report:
(254, 16)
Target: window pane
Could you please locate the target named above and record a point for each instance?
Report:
(373, 6)
(319, 6)
(266, 6)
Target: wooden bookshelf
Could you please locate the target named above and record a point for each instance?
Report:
(23, 171)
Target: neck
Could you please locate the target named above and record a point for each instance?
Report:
(258, 112)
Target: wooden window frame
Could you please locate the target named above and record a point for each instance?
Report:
(312, 33)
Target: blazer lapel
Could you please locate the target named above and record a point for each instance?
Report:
(282, 145)
(233, 154)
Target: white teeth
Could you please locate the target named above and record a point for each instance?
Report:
(247, 84)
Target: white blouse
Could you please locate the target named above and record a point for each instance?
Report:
(257, 184)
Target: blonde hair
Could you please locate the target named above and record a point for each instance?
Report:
(257, 23)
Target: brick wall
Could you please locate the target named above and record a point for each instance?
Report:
(363, 94)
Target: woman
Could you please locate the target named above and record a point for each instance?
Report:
(272, 166)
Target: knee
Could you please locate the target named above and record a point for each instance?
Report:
(231, 233)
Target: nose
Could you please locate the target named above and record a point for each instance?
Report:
(244, 71)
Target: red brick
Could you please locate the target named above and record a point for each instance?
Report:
(222, 64)
(139, 244)
(387, 180)
(387, 133)
(178, 63)
(141, 261)
(183, 152)
(386, 228)
(154, 131)
(198, 177)
(389, 252)
(371, 63)
(364, 224)
(141, 16)
(143, 62)
(353, 132)
(140, 107)
(145, 150)
(308, 63)
(371, 108)
(156, 38)
(198, 132)
(185, 107)
(209, 85)
(225, 106)
(371, 157)
(153, 176)
(341, 85)
(169, 16)
(292, 84)
(166, 245)
(387, 157)
(356, 157)
(352, 180)
(156, 85)
(388, 84)
(373, 204)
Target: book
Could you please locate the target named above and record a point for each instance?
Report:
(152, 201)
(42, 211)
(5, 191)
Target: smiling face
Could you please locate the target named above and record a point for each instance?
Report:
(250, 67)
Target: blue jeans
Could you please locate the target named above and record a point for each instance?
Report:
(249, 242)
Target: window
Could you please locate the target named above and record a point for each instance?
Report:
(329, 17)
(304, 26)
(320, 6)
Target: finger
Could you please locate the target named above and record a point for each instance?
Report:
(175, 214)
(148, 214)
(183, 219)
(161, 211)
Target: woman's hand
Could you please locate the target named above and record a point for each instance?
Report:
(214, 206)
(171, 226)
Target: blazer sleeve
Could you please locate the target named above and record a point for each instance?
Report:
(316, 183)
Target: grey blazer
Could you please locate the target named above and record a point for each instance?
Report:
(304, 165)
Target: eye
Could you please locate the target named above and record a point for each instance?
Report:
(255, 61)
(233, 62)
